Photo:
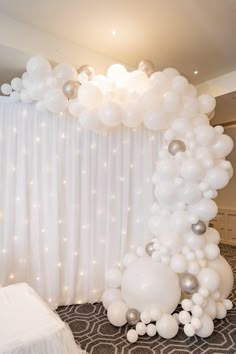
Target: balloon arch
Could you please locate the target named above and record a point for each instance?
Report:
(182, 263)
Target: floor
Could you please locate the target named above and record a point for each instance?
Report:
(96, 335)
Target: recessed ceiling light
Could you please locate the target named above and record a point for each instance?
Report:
(195, 72)
(114, 32)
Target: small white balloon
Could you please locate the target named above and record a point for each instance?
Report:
(151, 330)
(141, 328)
(209, 279)
(189, 330)
(207, 103)
(132, 336)
(207, 327)
(212, 251)
(6, 89)
(16, 84)
(167, 326)
(111, 114)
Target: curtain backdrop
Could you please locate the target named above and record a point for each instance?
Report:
(72, 203)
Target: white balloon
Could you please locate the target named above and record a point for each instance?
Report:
(133, 115)
(16, 84)
(179, 84)
(167, 327)
(184, 317)
(55, 101)
(89, 120)
(207, 327)
(223, 146)
(191, 169)
(38, 68)
(158, 224)
(90, 95)
(155, 120)
(189, 330)
(205, 134)
(212, 251)
(117, 73)
(212, 236)
(189, 193)
(221, 311)
(109, 296)
(171, 102)
(209, 279)
(145, 284)
(210, 308)
(75, 107)
(25, 96)
(172, 241)
(165, 192)
(137, 81)
(15, 96)
(222, 267)
(151, 330)
(6, 89)
(140, 328)
(179, 221)
(132, 336)
(167, 169)
(194, 241)
(64, 72)
(113, 278)
(111, 114)
(217, 178)
(190, 107)
(145, 317)
(170, 73)
(159, 81)
(207, 103)
(205, 209)
(116, 313)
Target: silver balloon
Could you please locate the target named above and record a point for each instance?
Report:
(188, 283)
(176, 146)
(199, 228)
(146, 66)
(88, 70)
(70, 88)
(150, 248)
(132, 316)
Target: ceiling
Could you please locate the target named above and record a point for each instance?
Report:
(186, 34)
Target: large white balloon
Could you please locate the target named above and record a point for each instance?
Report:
(113, 278)
(217, 177)
(223, 146)
(90, 95)
(205, 209)
(222, 267)
(109, 296)
(38, 68)
(207, 327)
(147, 284)
(209, 279)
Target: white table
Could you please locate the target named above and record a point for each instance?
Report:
(28, 326)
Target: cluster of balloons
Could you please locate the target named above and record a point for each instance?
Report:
(182, 263)
(101, 102)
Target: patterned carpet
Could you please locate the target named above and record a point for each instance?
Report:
(96, 335)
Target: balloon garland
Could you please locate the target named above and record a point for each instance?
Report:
(182, 262)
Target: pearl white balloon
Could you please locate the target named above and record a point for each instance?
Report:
(38, 68)
(212, 251)
(89, 95)
(132, 336)
(191, 169)
(6, 89)
(179, 222)
(145, 284)
(212, 236)
(140, 328)
(226, 276)
(113, 278)
(209, 279)
(223, 146)
(207, 103)
(64, 72)
(16, 84)
(151, 330)
(116, 313)
(205, 135)
(109, 296)
(207, 327)
(205, 209)
(56, 102)
(111, 114)
(167, 327)
(217, 178)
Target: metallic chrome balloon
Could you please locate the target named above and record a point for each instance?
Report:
(146, 66)
(150, 248)
(88, 70)
(199, 228)
(132, 316)
(70, 89)
(176, 146)
(188, 283)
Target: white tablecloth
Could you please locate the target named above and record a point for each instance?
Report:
(28, 326)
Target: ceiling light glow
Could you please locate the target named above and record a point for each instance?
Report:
(195, 72)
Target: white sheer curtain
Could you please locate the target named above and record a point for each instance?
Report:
(71, 202)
